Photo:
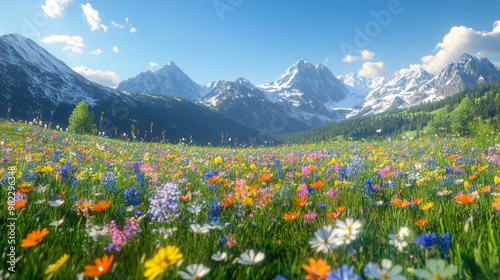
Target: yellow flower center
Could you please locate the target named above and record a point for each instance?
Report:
(436, 277)
(196, 276)
(347, 237)
(384, 276)
(349, 227)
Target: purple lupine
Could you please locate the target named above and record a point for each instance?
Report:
(164, 206)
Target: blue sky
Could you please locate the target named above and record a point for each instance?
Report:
(111, 40)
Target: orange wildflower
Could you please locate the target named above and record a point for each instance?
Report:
(266, 177)
(312, 168)
(228, 201)
(213, 180)
(472, 177)
(318, 185)
(496, 203)
(100, 267)
(291, 216)
(416, 201)
(485, 189)
(20, 204)
(34, 238)
(317, 269)
(335, 214)
(466, 199)
(300, 202)
(101, 206)
(26, 188)
(421, 223)
(400, 203)
(186, 197)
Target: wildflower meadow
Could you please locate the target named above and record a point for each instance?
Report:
(76, 207)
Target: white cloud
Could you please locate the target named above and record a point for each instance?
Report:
(350, 58)
(105, 78)
(72, 43)
(133, 30)
(92, 17)
(96, 52)
(153, 64)
(117, 25)
(459, 40)
(406, 70)
(55, 8)
(116, 49)
(367, 55)
(373, 69)
(325, 61)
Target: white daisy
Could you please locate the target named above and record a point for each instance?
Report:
(194, 271)
(219, 256)
(250, 257)
(323, 239)
(385, 271)
(437, 269)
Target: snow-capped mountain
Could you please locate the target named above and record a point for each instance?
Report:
(242, 100)
(25, 66)
(357, 81)
(467, 72)
(304, 83)
(35, 84)
(304, 96)
(311, 93)
(417, 85)
(169, 80)
(396, 93)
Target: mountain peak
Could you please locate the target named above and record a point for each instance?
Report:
(303, 62)
(466, 57)
(169, 80)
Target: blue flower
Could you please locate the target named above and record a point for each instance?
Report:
(344, 273)
(214, 212)
(426, 240)
(445, 243)
(132, 197)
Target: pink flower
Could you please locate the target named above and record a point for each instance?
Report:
(383, 172)
(305, 171)
(331, 193)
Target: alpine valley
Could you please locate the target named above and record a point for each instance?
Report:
(36, 84)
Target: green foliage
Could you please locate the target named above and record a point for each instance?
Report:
(441, 123)
(81, 120)
(462, 116)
